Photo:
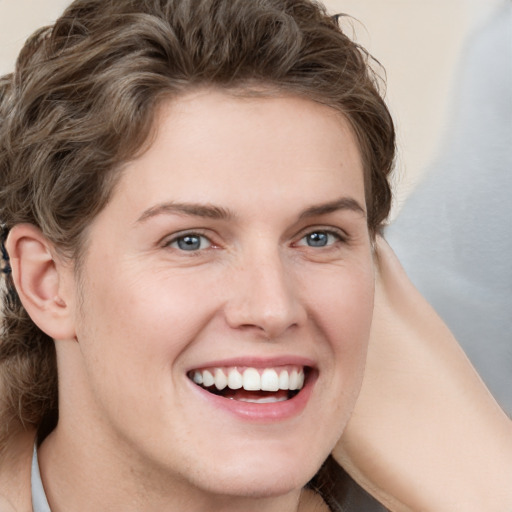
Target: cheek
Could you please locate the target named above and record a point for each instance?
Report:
(344, 310)
(132, 334)
(144, 321)
(344, 307)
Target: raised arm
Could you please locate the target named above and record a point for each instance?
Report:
(426, 434)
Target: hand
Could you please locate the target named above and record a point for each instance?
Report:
(426, 434)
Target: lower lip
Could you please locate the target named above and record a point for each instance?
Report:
(258, 412)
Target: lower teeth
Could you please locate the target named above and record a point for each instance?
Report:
(255, 397)
(264, 400)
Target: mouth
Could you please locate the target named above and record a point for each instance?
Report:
(253, 385)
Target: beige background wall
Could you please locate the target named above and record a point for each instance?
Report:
(417, 41)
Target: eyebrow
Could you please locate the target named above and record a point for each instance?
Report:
(344, 203)
(193, 209)
(219, 213)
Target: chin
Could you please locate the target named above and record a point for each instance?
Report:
(257, 486)
(261, 477)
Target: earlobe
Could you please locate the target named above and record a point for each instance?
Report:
(38, 276)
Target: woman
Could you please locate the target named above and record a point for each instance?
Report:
(191, 194)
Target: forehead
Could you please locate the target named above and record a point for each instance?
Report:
(215, 147)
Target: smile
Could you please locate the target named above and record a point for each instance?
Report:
(254, 385)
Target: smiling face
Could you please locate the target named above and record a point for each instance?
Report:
(224, 304)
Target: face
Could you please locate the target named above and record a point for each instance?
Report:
(225, 299)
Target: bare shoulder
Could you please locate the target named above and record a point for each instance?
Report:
(15, 463)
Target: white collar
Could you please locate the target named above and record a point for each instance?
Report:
(39, 501)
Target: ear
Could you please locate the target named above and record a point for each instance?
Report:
(42, 280)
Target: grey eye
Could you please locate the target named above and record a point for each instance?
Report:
(317, 239)
(191, 242)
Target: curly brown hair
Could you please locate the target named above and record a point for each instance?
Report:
(81, 102)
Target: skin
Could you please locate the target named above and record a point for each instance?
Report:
(142, 312)
(442, 428)
(470, 431)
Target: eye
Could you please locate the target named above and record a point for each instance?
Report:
(320, 238)
(190, 242)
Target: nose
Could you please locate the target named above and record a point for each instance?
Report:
(264, 296)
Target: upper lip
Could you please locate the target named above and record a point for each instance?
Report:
(256, 362)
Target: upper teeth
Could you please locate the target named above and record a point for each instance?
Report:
(251, 379)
